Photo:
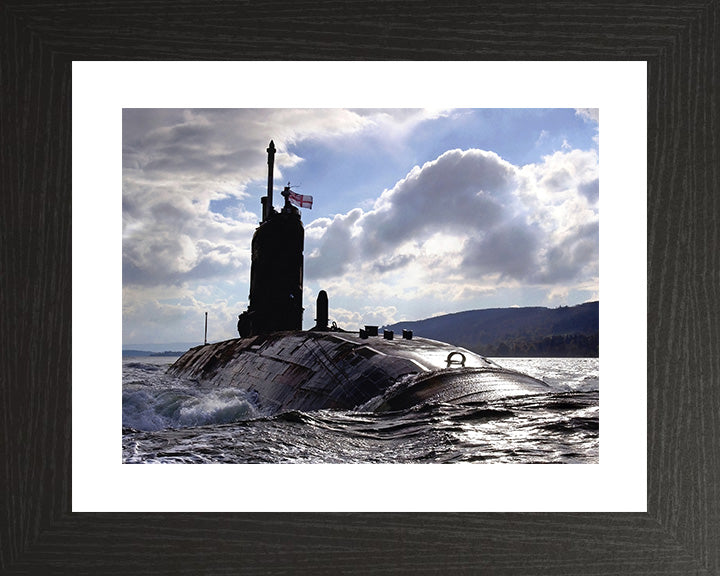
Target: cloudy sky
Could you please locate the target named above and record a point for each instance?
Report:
(416, 212)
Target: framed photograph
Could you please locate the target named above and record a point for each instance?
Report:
(546, 201)
(61, 518)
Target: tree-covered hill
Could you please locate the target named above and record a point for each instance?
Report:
(531, 332)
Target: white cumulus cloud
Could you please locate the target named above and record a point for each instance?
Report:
(466, 216)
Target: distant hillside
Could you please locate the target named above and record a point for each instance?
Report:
(162, 347)
(139, 353)
(568, 331)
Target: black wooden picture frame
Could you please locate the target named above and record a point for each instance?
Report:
(679, 534)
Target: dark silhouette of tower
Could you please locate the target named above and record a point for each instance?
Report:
(276, 274)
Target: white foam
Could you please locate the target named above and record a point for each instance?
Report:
(151, 408)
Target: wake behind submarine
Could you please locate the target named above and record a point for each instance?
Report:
(285, 368)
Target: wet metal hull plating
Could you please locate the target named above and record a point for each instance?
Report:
(316, 370)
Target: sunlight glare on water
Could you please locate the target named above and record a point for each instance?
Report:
(167, 420)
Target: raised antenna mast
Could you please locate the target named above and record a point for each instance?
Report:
(271, 162)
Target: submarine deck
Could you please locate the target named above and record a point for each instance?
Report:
(310, 370)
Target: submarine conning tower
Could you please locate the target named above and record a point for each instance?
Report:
(276, 273)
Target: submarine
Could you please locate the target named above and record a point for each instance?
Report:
(285, 368)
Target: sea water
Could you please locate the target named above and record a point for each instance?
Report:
(170, 420)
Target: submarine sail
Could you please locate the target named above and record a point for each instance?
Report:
(286, 368)
(276, 273)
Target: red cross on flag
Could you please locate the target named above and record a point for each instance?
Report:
(300, 200)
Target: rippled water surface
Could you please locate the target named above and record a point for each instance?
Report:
(168, 420)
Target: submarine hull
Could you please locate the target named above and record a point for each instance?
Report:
(308, 371)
